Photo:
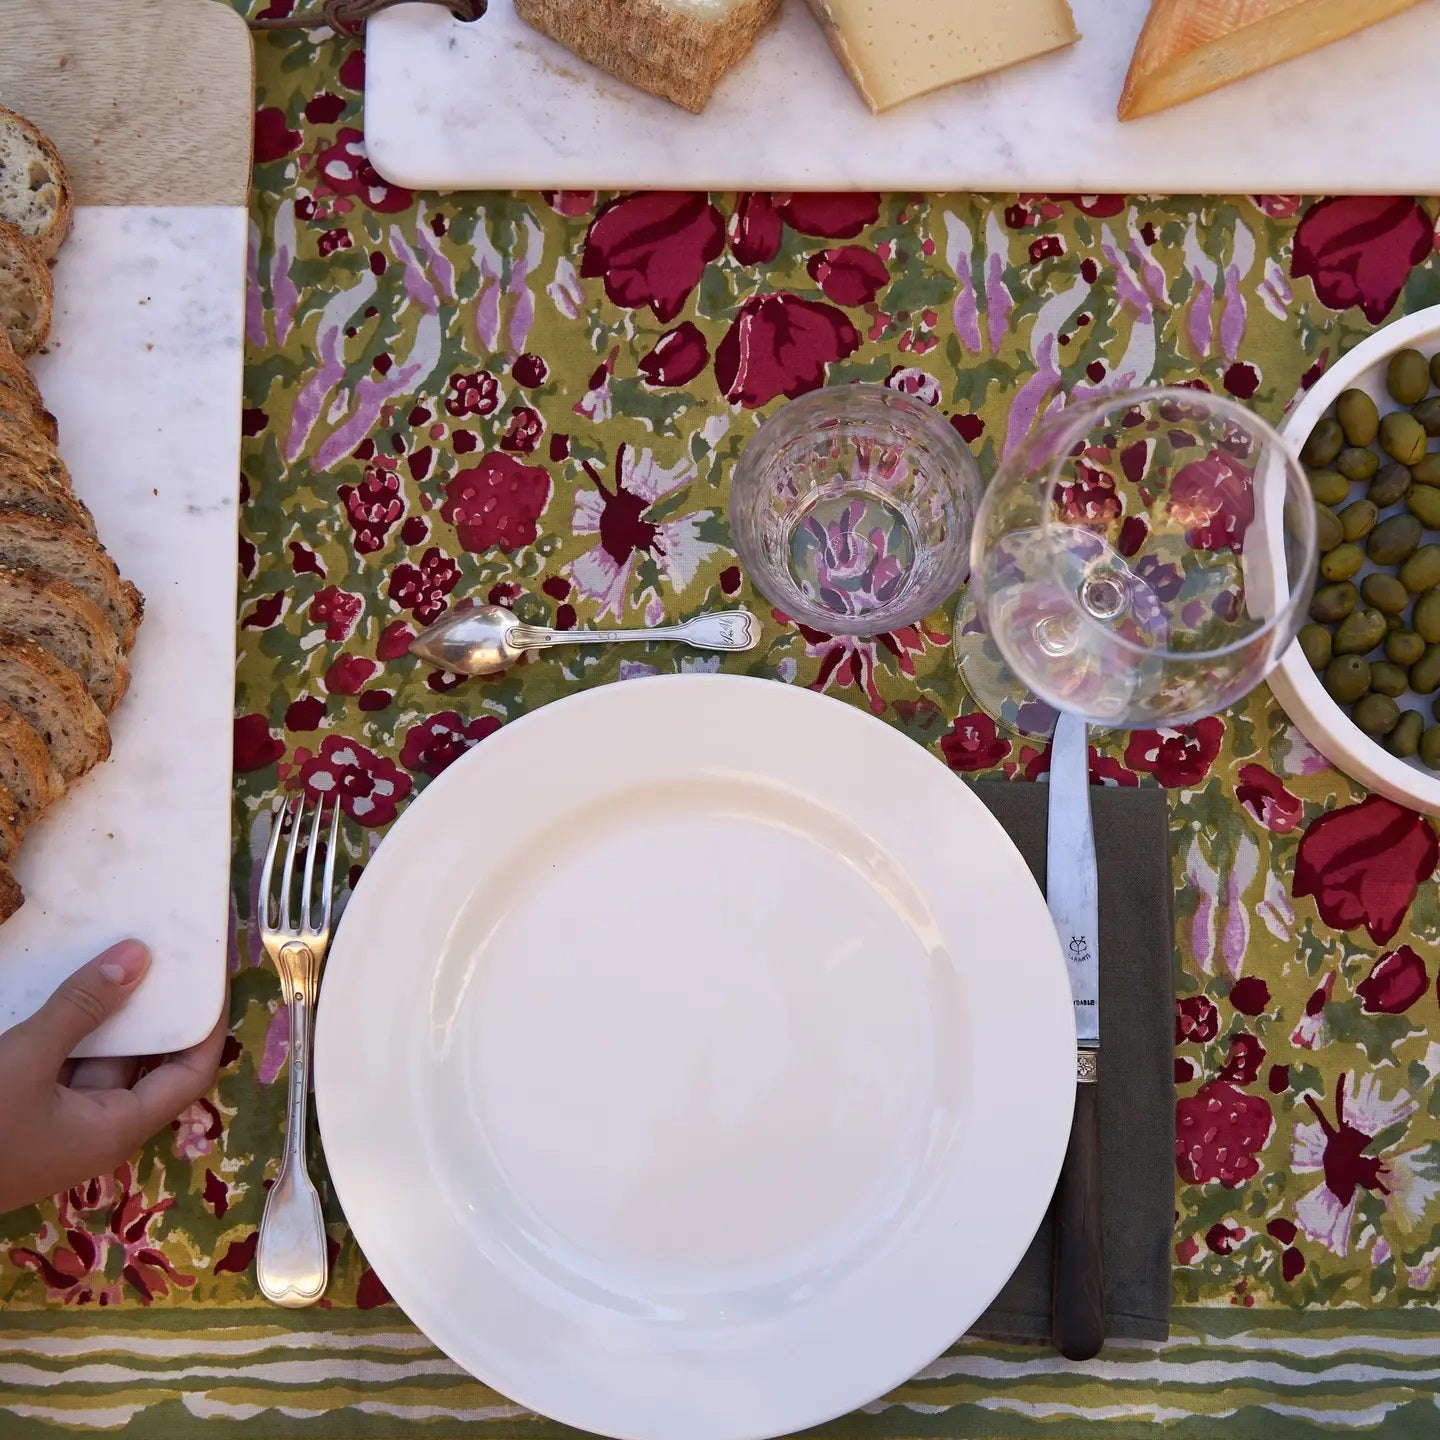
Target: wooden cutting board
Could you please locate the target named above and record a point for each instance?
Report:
(150, 104)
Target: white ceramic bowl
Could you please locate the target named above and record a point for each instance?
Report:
(1324, 724)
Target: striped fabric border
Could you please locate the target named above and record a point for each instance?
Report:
(252, 1376)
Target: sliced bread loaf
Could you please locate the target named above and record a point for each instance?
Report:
(27, 292)
(677, 49)
(25, 767)
(53, 614)
(12, 897)
(20, 435)
(28, 489)
(31, 542)
(35, 192)
(23, 400)
(10, 828)
(55, 702)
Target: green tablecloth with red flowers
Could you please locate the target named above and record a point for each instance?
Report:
(537, 399)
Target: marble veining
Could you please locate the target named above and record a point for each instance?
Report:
(143, 372)
(493, 105)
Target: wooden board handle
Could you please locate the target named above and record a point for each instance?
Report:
(1078, 1318)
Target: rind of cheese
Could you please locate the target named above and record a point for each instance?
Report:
(895, 50)
(1190, 47)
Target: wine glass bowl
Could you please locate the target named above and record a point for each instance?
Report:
(1142, 559)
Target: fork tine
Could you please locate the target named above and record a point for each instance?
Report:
(277, 824)
(306, 905)
(328, 897)
(287, 881)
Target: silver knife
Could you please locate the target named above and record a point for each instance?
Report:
(1078, 1317)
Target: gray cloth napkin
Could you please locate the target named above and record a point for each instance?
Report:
(1137, 1085)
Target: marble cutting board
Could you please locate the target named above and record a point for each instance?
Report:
(493, 105)
(143, 371)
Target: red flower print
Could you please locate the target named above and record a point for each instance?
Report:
(1395, 982)
(1222, 1237)
(973, 743)
(1242, 380)
(477, 394)
(780, 345)
(345, 169)
(255, 746)
(1264, 795)
(324, 108)
(676, 358)
(911, 380)
(1218, 1131)
(569, 202)
(1214, 499)
(370, 1293)
(1090, 496)
(1243, 1063)
(756, 230)
(830, 215)
(306, 713)
(368, 787)
(1364, 863)
(850, 275)
(337, 610)
(333, 240)
(1250, 995)
(274, 140)
(349, 674)
(652, 248)
(1178, 759)
(1195, 1019)
(523, 430)
(529, 371)
(1360, 250)
(496, 504)
(440, 740)
(372, 507)
(1098, 207)
(423, 587)
(96, 1265)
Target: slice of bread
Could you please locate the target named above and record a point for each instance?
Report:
(35, 191)
(19, 435)
(29, 489)
(10, 829)
(30, 542)
(27, 291)
(25, 769)
(20, 397)
(54, 700)
(53, 614)
(677, 49)
(12, 897)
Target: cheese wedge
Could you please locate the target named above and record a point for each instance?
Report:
(1190, 47)
(895, 50)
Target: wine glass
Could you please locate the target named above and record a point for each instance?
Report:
(1141, 560)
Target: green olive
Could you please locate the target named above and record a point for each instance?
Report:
(1407, 377)
(1426, 471)
(1315, 642)
(1421, 572)
(1388, 678)
(1357, 465)
(1360, 632)
(1423, 502)
(1327, 528)
(1325, 443)
(1394, 623)
(1347, 678)
(1394, 541)
(1402, 438)
(1404, 739)
(1426, 617)
(1377, 715)
(1404, 647)
(1435, 369)
(1342, 563)
(1357, 520)
(1389, 485)
(1430, 747)
(1385, 593)
(1427, 412)
(1330, 487)
(1359, 417)
(1332, 603)
(1425, 672)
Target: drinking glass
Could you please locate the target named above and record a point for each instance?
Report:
(852, 507)
(1142, 559)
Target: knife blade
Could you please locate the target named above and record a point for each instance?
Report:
(1072, 890)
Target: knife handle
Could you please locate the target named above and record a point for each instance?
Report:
(1078, 1318)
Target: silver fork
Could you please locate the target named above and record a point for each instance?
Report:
(291, 1263)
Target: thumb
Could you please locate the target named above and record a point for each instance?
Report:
(92, 994)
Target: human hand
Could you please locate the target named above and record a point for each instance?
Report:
(63, 1121)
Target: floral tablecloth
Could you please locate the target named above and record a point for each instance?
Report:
(537, 399)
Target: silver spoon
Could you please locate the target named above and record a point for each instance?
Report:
(490, 638)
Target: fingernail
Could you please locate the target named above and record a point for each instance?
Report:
(125, 963)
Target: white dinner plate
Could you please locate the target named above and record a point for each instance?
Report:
(695, 1059)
